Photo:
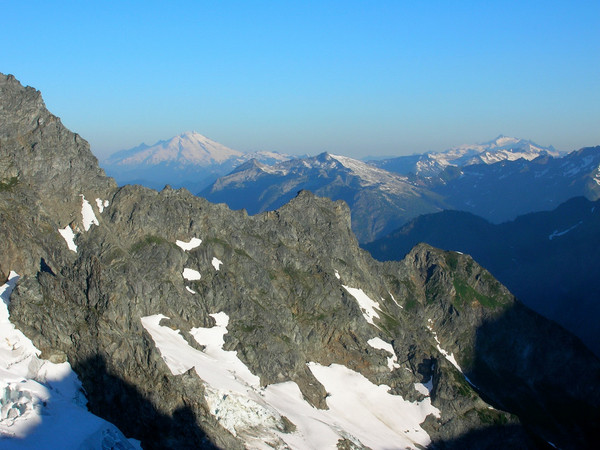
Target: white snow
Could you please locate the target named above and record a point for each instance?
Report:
(557, 233)
(424, 388)
(87, 214)
(41, 403)
(216, 262)
(337, 275)
(373, 176)
(101, 205)
(380, 344)
(192, 244)
(191, 274)
(232, 390)
(449, 356)
(384, 421)
(398, 304)
(252, 413)
(68, 236)
(190, 290)
(367, 306)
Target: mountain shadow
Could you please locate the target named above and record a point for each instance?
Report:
(547, 259)
(514, 368)
(124, 405)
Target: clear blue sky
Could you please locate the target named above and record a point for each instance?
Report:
(353, 77)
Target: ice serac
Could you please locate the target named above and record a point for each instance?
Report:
(291, 323)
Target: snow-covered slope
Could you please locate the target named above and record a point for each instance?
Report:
(190, 148)
(42, 404)
(189, 160)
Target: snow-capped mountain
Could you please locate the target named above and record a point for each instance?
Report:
(189, 148)
(189, 160)
(504, 190)
(503, 148)
(380, 200)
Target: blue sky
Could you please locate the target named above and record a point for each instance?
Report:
(355, 77)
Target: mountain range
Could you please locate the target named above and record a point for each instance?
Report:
(503, 148)
(190, 325)
(380, 201)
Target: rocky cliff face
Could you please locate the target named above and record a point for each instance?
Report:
(291, 292)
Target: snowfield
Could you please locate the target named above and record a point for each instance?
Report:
(256, 414)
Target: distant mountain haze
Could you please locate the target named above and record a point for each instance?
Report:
(189, 160)
(503, 148)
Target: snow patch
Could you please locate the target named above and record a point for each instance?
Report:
(192, 244)
(87, 214)
(191, 274)
(380, 344)
(68, 236)
(216, 262)
(557, 233)
(190, 290)
(383, 418)
(101, 205)
(449, 356)
(367, 306)
(425, 388)
(397, 304)
(232, 391)
(337, 275)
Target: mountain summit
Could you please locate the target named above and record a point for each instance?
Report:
(189, 148)
(380, 200)
(188, 160)
(502, 148)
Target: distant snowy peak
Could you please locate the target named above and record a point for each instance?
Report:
(189, 148)
(503, 148)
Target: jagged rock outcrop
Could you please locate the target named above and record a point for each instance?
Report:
(296, 289)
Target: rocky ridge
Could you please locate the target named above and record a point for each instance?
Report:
(298, 292)
(379, 200)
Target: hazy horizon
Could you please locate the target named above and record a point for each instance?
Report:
(359, 79)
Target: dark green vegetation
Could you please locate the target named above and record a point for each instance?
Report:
(8, 184)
